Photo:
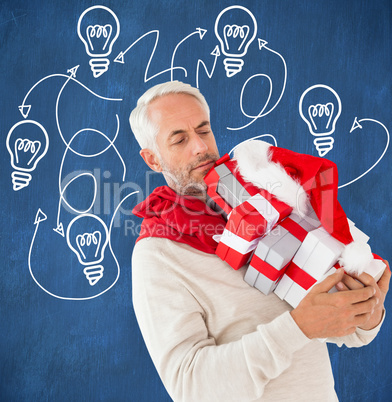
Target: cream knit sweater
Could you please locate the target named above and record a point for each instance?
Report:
(214, 338)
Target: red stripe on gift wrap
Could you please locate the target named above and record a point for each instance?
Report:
(267, 269)
(294, 228)
(212, 179)
(223, 159)
(299, 276)
(234, 258)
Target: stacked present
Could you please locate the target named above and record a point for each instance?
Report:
(317, 255)
(251, 212)
(287, 253)
(317, 258)
(276, 250)
(246, 224)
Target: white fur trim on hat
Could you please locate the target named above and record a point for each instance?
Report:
(255, 166)
(355, 257)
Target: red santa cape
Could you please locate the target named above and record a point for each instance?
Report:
(180, 218)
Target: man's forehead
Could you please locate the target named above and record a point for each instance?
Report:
(176, 109)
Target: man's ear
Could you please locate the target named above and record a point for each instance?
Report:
(151, 159)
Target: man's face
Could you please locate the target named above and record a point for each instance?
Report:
(185, 141)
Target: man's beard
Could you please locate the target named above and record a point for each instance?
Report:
(182, 182)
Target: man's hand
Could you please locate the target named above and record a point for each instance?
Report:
(322, 315)
(382, 287)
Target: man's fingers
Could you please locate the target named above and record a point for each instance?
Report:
(349, 297)
(383, 283)
(351, 283)
(365, 279)
(341, 286)
(329, 282)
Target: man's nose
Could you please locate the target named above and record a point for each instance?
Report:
(198, 145)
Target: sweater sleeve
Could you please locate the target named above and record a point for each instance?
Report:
(190, 363)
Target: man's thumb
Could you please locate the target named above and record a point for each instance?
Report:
(329, 282)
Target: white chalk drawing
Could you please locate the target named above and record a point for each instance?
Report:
(25, 108)
(216, 53)
(40, 217)
(235, 36)
(120, 57)
(87, 237)
(263, 112)
(27, 143)
(62, 188)
(357, 125)
(255, 138)
(320, 108)
(98, 29)
(199, 31)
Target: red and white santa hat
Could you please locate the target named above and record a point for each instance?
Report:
(301, 180)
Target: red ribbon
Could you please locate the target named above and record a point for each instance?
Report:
(267, 269)
(299, 276)
(294, 228)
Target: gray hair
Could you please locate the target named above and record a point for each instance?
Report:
(142, 127)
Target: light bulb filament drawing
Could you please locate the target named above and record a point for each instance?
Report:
(320, 107)
(233, 31)
(86, 239)
(89, 245)
(97, 31)
(235, 38)
(27, 143)
(99, 36)
(318, 111)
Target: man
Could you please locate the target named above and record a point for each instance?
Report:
(210, 335)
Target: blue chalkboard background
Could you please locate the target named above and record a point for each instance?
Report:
(63, 339)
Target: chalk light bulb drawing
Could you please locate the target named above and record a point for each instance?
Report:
(235, 28)
(27, 143)
(320, 108)
(87, 237)
(98, 29)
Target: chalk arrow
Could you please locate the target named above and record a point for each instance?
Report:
(120, 58)
(24, 110)
(201, 31)
(73, 71)
(216, 51)
(355, 125)
(59, 229)
(262, 43)
(39, 217)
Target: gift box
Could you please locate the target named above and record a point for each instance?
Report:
(246, 224)
(276, 250)
(235, 250)
(376, 268)
(218, 172)
(231, 190)
(226, 189)
(317, 255)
